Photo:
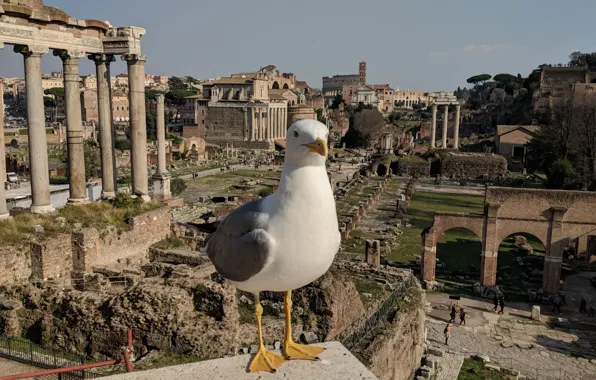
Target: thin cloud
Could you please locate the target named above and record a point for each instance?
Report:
(473, 49)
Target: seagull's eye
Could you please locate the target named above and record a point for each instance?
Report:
(295, 133)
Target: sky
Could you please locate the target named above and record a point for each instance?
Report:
(426, 45)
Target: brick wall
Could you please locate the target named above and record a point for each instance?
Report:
(14, 265)
(51, 258)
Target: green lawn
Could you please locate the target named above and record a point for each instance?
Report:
(450, 247)
(474, 370)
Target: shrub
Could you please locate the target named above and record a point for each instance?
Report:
(469, 165)
(177, 186)
(562, 175)
(265, 192)
(124, 201)
(413, 166)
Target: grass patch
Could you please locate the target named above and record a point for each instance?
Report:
(474, 370)
(421, 210)
(100, 215)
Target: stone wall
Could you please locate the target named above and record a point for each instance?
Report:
(242, 144)
(226, 123)
(63, 255)
(395, 354)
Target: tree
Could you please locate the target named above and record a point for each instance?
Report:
(177, 186)
(150, 94)
(562, 175)
(337, 100)
(479, 79)
(190, 82)
(49, 101)
(577, 58)
(370, 124)
(151, 126)
(122, 144)
(320, 116)
(92, 159)
(175, 100)
(55, 91)
(176, 83)
(354, 139)
(505, 78)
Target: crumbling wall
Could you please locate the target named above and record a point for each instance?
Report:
(14, 265)
(51, 258)
(225, 123)
(395, 353)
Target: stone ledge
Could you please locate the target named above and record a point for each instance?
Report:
(336, 363)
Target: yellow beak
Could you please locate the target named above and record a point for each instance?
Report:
(318, 146)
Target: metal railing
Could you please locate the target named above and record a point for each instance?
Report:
(42, 357)
(363, 326)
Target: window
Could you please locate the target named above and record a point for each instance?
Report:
(518, 152)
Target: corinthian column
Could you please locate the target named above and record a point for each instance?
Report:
(445, 125)
(433, 130)
(74, 127)
(456, 128)
(38, 145)
(3, 209)
(161, 178)
(106, 139)
(138, 124)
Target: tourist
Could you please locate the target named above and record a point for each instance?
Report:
(495, 302)
(582, 306)
(452, 314)
(502, 304)
(462, 316)
(557, 304)
(447, 333)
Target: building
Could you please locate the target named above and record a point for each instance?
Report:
(385, 95)
(343, 85)
(289, 95)
(408, 99)
(193, 116)
(557, 85)
(512, 143)
(52, 80)
(367, 96)
(241, 112)
(120, 110)
(89, 110)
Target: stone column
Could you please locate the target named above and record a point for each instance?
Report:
(106, 143)
(161, 178)
(433, 130)
(38, 145)
(138, 124)
(74, 128)
(428, 260)
(445, 125)
(456, 128)
(3, 209)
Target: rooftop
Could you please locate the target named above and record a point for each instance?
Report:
(504, 129)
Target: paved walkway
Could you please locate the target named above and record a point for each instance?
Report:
(449, 366)
(514, 341)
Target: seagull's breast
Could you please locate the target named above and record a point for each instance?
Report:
(304, 226)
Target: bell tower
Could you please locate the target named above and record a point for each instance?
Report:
(362, 73)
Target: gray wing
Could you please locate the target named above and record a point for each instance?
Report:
(240, 245)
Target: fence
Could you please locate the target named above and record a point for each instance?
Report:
(42, 357)
(363, 326)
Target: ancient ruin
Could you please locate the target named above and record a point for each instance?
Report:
(557, 218)
(445, 100)
(34, 29)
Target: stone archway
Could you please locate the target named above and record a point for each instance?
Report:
(555, 217)
(286, 87)
(275, 86)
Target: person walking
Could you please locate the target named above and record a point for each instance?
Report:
(502, 304)
(447, 333)
(462, 316)
(582, 305)
(495, 302)
(557, 303)
(452, 314)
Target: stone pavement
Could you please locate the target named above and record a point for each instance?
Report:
(514, 341)
(336, 363)
(449, 366)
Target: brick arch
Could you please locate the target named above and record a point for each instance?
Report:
(443, 222)
(536, 228)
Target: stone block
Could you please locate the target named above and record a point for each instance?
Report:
(482, 357)
(492, 367)
(309, 337)
(536, 312)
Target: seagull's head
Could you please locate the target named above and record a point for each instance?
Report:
(306, 143)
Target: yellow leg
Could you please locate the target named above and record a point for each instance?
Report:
(294, 351)
(264, 360)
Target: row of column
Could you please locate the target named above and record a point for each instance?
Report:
(38, 159)
(270, 127)
(277, 123)
(433, 133)
(3, 209)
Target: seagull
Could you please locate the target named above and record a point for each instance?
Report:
(283, 241)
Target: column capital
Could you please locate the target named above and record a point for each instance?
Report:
(68, 54)
(160, 98)
(101, 58)
(133, 58)
(29, 50)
